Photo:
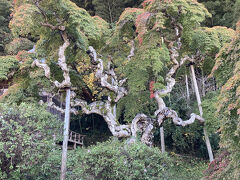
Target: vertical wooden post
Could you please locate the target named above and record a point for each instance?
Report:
(162, 139)
(65, 136)
(75, 140)
(187, 88)
(209, 148)
(203, 85)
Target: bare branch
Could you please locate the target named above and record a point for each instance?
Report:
(56, 27)
(40, 9)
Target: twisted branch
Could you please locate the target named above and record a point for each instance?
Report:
(164, 112)
(43, 66)
(115, 86)
(62, 63)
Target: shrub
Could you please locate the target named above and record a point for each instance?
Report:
(118, 160)
(8, 65)
(25, 139)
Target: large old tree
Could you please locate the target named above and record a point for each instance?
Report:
(108, 71)
(154, 44)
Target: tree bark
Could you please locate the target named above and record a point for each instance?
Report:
(208, 144)
(65, 135)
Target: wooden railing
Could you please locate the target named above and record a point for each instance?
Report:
(75, 138)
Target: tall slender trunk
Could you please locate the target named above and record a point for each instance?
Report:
(192, 85)
(187, 89)
(162, 139)
(203, 85)
(65, 134)
(210, 153)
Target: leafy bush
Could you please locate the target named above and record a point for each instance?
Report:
(8, 64)
(209, 105)
(25, 139)
(118, 160)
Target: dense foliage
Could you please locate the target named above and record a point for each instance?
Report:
(227, 71)
(114, 159)
(26, 138)
(109, 10)
(5, 35)
(17, 45)
(225, 12)
(8, 64)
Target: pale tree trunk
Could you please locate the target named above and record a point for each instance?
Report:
(209, 148)
(162, 139)
(65, 135)
(187, 89)
(192, 85)
(203, 85)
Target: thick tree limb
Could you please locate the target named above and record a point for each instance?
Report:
(43, 66)
(141, 122)
(115, 86)
(51, 104)
(104, 109)
(62, 63)
(58, 26)
(163, 112)
(169, 113)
